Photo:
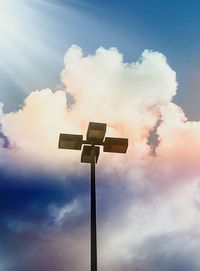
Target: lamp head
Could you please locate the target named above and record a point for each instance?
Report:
(114, 144)
(96, 132)
(86, 156)
(68, 141)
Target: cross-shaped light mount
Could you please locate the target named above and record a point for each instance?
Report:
(95, 138)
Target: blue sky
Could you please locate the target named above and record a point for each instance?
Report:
(170, 27)
(148, 205)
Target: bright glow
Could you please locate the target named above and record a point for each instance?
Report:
(4, 14)
(24, 38)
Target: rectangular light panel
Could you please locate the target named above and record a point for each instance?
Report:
(114, 144)
(96, 132)
(68, 141)
(86, 156)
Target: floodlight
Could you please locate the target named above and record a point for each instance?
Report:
(68, 141)
(113, 144)
(96, 132)
(86, 156)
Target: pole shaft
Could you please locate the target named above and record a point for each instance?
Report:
(93, 216)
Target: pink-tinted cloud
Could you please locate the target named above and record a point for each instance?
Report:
(132, 98)
(127, 96)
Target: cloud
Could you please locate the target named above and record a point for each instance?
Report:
(32, 239)
(62, 214)
(179, 147)
(105, 89)
(158, 195)
(138, 221)
(172, 251)
(160, 234)
(34, 131)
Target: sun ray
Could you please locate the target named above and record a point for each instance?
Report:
(33, 40)
(23, 41)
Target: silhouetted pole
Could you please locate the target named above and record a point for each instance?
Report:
(93, 215)
(90, 153)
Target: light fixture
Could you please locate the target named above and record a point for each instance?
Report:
(114, 144)
(86, 156)
(96, 132)
(90, 154)
(68, 141)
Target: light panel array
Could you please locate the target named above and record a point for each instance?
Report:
(95, 136)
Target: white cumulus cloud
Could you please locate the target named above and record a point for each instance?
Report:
(132, 98)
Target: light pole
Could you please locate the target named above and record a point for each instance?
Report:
(90, 154)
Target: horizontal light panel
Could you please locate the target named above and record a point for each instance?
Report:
(68, 141)
(114, 144)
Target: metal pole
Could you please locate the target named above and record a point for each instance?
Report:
(93, 215)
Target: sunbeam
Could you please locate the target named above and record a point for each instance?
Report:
(29, 46)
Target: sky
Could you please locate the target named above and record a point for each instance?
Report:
(133, 65)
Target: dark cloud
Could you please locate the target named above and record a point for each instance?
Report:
(31, 237)
(153, 138)
(44, 249)
(6, 142)
(168, 252)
